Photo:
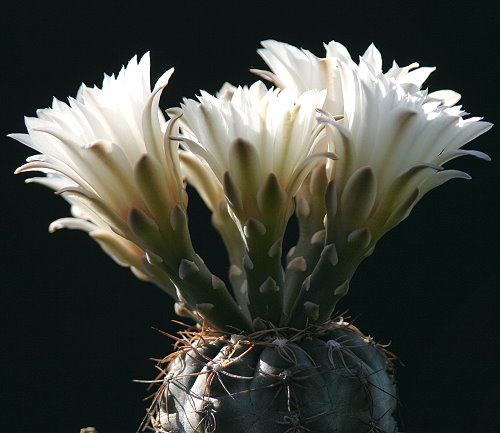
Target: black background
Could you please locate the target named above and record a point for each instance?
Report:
(77, 328)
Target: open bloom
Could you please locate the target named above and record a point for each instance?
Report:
(108, 153)
(391, 137)
(259, 145)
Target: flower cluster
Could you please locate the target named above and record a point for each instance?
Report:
(349, 148)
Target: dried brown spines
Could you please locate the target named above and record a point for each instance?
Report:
(323, 379)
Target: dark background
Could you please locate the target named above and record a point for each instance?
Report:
(77, 328)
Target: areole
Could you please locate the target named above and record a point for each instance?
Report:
(321, 379)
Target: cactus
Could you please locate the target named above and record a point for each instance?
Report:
(347, 148)
(322, 379)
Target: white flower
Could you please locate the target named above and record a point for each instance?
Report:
(392, 138)
(256, 146)
(109, 154)
(257, 142)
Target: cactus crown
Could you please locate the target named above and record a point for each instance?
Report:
(348, 148)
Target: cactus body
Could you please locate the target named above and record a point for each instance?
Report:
(331, 379)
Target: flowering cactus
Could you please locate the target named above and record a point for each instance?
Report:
(346, 147)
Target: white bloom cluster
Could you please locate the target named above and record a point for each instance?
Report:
(352, 149)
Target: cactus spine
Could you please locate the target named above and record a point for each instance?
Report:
(322, 379)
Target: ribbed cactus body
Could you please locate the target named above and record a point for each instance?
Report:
(331, 379)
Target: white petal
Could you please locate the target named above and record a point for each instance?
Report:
(373, 57)
(448, 97)
(417, 76)
(72, 224)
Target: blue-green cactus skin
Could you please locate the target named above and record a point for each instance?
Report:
(331, 379)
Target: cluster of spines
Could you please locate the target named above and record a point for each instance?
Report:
(215, 352)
